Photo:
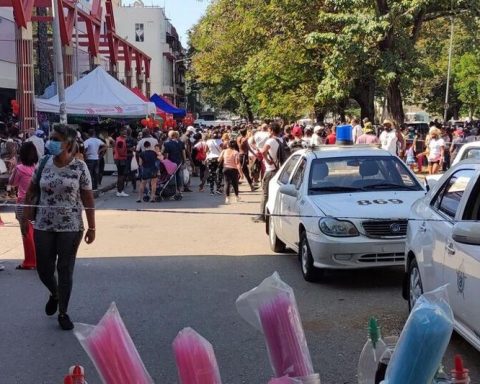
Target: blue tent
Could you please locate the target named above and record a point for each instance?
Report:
(165, 106)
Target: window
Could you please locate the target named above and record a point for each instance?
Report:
(449, 196)
(471, 153)
(288, 169)
(139, 33)
(472, 209)
(360, 174)
(297, 178)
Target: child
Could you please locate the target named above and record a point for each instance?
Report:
(411, 160)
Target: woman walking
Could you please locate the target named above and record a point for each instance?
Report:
(214, 150)
(64, 187)
(149, 171)
(199, 156)
(231, 165)
(21, 177)
(435, 151)
(243, 146)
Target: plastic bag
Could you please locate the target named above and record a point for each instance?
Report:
(186, 175)
(271, 308)
(195, 358)
(312, 379)
(111, 349)
(133, 164)
(423, 341)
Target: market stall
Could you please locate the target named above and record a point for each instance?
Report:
(98, 94)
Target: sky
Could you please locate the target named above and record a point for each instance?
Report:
(183, 14)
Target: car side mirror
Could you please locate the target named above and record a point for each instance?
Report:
(289, 190)
(467, 232)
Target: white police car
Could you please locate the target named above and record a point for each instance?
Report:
(443, 246)
(341, 207)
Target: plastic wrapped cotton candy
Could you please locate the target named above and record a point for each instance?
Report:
(312, 379)
(271, 308)
(111, 349)
(196, 362)
(423, 341)
(284, 380)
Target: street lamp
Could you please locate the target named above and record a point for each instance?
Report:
(450, 50)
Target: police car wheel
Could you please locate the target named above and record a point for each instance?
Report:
(309, 272)
(415, 287)
(276, 245)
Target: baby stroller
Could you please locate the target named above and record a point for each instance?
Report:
(167, 182)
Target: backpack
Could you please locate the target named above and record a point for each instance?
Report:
(199, 154)
(283, 152)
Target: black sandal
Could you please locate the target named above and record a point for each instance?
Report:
(21, 267)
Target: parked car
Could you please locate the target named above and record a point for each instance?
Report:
(341, 207)
(467, 151)
(443, 246)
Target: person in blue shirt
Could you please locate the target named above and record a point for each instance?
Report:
(174, 150)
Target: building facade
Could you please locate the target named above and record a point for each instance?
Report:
(148, 29)
(8, 77)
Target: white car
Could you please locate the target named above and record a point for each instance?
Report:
(341, 207)
(469, 150)
(443, 246)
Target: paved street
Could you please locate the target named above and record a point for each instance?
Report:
(167, 271)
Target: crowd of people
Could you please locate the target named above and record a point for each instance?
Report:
(53, 178)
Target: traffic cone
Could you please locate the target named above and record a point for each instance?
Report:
(30, 261)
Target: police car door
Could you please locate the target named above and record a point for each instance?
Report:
(462, 266)
(281, 207)
(447, 206)
(293, 205)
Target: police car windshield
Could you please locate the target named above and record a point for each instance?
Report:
(360, 174)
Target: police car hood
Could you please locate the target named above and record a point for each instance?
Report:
(377, 204)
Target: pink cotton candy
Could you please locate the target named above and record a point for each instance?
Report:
(112, 351)
(284, 336)
(195, 358)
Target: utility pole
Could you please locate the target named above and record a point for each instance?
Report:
(57, 53)
(450, 50)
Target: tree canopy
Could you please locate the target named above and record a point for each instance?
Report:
(288, 57)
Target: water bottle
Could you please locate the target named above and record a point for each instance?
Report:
(372, 351)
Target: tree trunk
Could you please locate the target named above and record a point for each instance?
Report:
(45, 71)
(248, 109)
(341, 111)
(394, 101)
(319, 114)
(364, 95)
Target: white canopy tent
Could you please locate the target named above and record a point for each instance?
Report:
(98, 94)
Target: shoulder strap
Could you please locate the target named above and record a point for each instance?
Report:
(41, 167)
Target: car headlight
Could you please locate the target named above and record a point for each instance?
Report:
(337, 228)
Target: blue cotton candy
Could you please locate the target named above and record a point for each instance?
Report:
(423, 341)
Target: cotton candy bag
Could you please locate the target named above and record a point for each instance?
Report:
(271, 308)
(195, 358)
(423, 341)
(111, 349)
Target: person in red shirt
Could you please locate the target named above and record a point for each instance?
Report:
(120, 157)
(332, 137)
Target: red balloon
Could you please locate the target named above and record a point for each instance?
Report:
(144, 122)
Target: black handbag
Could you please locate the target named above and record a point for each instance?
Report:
(37, 187)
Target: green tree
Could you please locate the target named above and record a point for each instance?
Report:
(467, 81)
(374, 46)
